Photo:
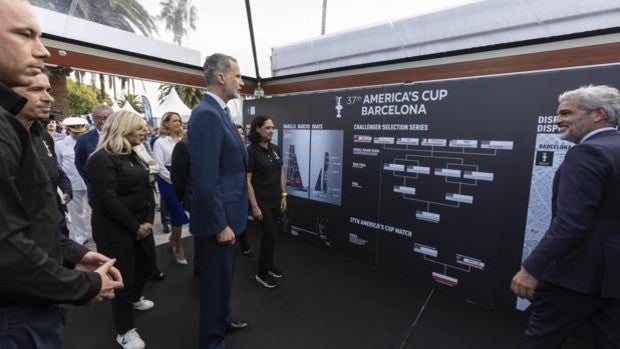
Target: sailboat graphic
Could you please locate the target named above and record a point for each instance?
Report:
(321, 182)
(293, 177)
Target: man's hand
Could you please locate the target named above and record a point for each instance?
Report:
(226, 237)
(524, 284)
(66, 198)
(111, 279)
(93, 260)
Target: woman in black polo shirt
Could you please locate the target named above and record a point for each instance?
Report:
(267, 194)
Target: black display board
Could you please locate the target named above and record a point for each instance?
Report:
(432, 181)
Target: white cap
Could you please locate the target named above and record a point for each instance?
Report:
(74, 121)
(77, 125)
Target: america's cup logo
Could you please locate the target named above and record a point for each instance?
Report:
(338, 107)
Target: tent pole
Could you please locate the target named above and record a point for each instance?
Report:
(249, 12)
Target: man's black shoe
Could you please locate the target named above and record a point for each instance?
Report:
(247, 253)
(237, 326)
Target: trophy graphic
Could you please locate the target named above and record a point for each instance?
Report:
(338, 107)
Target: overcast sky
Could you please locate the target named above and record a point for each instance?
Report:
(223, 25)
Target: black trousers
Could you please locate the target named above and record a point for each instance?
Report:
(558, 312)
(135, 262)
(244, 244)
(32, 327)
(269, 228)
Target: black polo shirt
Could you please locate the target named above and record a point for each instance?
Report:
(266, 168)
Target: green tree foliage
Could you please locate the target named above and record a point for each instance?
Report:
(82, 98)
(134, 101)
(178, 16)
(104, 100)
(191, 96)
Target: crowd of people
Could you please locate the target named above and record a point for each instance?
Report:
(113, 168)
(209, 178)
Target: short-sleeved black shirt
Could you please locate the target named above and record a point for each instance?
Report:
(266, 168)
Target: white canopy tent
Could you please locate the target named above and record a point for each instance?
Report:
(172, 103)
(236, 110)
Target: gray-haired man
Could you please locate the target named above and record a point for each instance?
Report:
(573, 275)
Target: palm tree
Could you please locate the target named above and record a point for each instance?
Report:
(61, 6)
(122, 14)
(134, 101)
(191, 96)
(178, 15)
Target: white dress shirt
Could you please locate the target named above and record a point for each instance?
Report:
(599, 130)
(217, 99)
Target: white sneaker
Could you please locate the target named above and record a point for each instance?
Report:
(130, 340)
(143, 304)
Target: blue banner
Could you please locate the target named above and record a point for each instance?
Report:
(148, 114)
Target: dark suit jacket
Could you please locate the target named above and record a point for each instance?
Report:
(122, 197)
(85, 144)
(581, 249)
(47, 156)
(218, 159)
(181, 173)
(31, 269)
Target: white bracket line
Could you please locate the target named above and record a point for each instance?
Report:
(432, 151)
(447, 265)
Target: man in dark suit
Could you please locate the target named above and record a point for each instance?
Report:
(219, 203)
(573, 275)
(86, 143)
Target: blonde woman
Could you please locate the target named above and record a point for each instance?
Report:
(170, 133)
(122, 216)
